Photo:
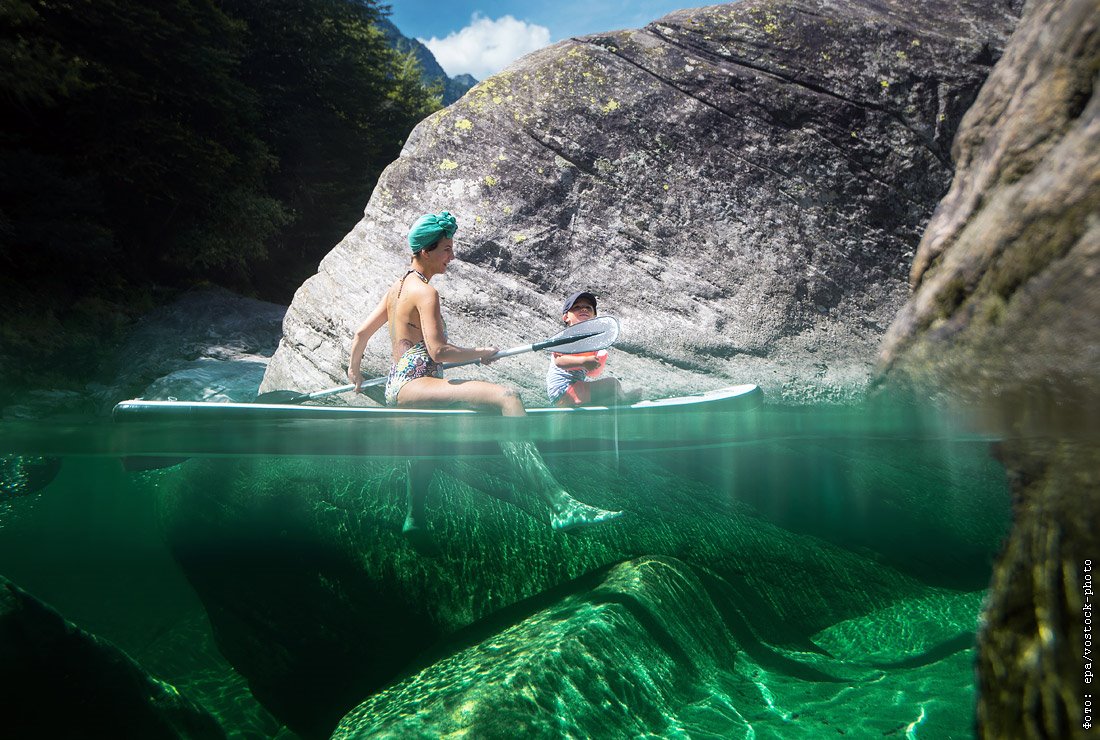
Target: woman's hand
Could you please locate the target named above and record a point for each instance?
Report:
(487, 355)
(355, 375)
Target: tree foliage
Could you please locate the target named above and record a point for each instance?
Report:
(337, 103)
(155, 145)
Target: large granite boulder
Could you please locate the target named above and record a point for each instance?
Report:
(56, 680)
(1004, 280)
(1005, 316)
(743, 185)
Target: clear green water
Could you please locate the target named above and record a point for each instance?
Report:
(843, 556)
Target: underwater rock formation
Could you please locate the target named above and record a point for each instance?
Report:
(743, 185)
(1005, 316)
(316, 597)
(57, 680)
(23, 475)
(654, 647)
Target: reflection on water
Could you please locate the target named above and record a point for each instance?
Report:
(790, 572)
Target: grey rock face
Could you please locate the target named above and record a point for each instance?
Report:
(1006, 315)
(743, 186)
(1004, 278)
(205, 346)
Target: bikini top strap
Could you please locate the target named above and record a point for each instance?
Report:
(401, 287)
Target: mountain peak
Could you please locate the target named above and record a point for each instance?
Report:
(453, 87)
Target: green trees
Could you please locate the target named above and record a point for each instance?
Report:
(336, 104)
(155, 145)
(141, 136)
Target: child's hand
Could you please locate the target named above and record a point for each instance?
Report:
(594, 364)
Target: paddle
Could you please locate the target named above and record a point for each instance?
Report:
(587, 336)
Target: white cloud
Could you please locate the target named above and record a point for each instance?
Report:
(487, 46)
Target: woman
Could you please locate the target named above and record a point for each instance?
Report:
(419, 343)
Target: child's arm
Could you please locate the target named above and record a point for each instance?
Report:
(576, 362)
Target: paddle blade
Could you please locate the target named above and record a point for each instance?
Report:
(587, 336)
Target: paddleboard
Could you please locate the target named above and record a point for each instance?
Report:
(194, 429)
(722, 399)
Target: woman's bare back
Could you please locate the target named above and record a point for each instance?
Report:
(402, 313)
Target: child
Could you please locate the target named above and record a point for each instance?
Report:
(572, 380)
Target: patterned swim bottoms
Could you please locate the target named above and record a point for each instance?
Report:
(414, 363)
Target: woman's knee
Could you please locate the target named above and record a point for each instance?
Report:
(508, 400)
(491, 394)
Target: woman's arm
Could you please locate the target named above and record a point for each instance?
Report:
(363, 334)
(431, 325)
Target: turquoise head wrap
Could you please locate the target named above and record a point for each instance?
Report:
(430, 228)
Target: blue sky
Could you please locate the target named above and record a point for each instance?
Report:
(482, 37)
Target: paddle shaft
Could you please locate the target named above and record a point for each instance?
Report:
(448, 365)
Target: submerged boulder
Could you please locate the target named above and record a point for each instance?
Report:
(656, 647)
(317, 598)
(742, 185)
(1005, 316)
(56, 680)
(23, 475)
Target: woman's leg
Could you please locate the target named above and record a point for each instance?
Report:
(478, 393)
(567, 512)
(418, 476)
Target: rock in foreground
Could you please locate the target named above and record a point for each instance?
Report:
(1006, 316)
